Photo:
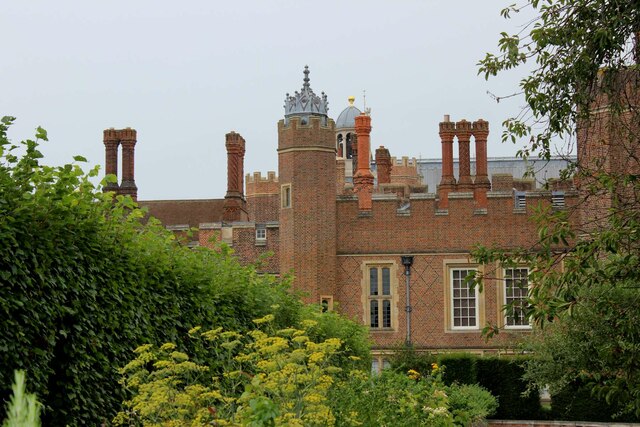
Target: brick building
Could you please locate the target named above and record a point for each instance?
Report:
(349, 227)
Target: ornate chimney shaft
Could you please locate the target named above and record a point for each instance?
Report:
(482, 184)
(463, 132)
(363, 179)
(383, 164)
(126, 138)
(234, 202)
(111, 143)
(448, 182)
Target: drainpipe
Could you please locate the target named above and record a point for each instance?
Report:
(407, 261)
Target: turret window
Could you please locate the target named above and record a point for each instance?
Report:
(285, 196)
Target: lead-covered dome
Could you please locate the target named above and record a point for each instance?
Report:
(347, 119)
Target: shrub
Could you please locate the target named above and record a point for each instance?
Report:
(263, 377)
(503, 378)
(459, 368)
(405, 358)
(283, 377)
(470, 403)
(576, 402)
(23, 409)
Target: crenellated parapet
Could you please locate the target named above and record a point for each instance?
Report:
(258, 185)
(404, 171)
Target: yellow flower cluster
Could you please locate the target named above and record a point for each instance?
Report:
(283, 376)
(414, 375)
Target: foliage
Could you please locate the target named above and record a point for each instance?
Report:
(503, 377)
(23, 409)
(605, 323)
(391, 399)
(85, 281)
(283, 377)
(585, 266)
(406, 357)
(575, 402)
(570, 42)
(259, 378)
(460, 368)
(470, 403)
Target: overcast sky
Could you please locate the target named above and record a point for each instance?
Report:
(186, 73)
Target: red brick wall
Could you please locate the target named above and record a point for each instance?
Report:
(611, 144)
(245, 247)
(263, 197)
(432, 239)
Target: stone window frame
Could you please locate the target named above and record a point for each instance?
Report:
(326, 303)
(449, 265)
(285, 196)
(261, 235)
(392, 297)
(380, 362)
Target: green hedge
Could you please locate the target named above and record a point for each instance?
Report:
(503, 378)
(459, 368)
(576, 403)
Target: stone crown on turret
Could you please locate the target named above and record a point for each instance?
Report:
(306, 102)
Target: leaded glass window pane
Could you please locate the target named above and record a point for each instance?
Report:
(374, 314)
(386, 281)
(386, 313)
(373, 281)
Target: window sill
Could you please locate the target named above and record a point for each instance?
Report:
(261, 242)
(464, 331)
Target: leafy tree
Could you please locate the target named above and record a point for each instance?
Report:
(586, 266)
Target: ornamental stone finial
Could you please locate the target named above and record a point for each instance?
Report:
(306, 102)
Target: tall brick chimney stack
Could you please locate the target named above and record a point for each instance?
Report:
(448, 182)
(128, 139)
(234, 201)
(383, 165)
(363, 179)
(463, 132)
(480, 130)
(111, 143)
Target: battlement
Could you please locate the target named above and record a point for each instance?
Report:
(506, 182)
(307, 122)
(403, 201)
(258, 185)
(404, 171)
(404, 161)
